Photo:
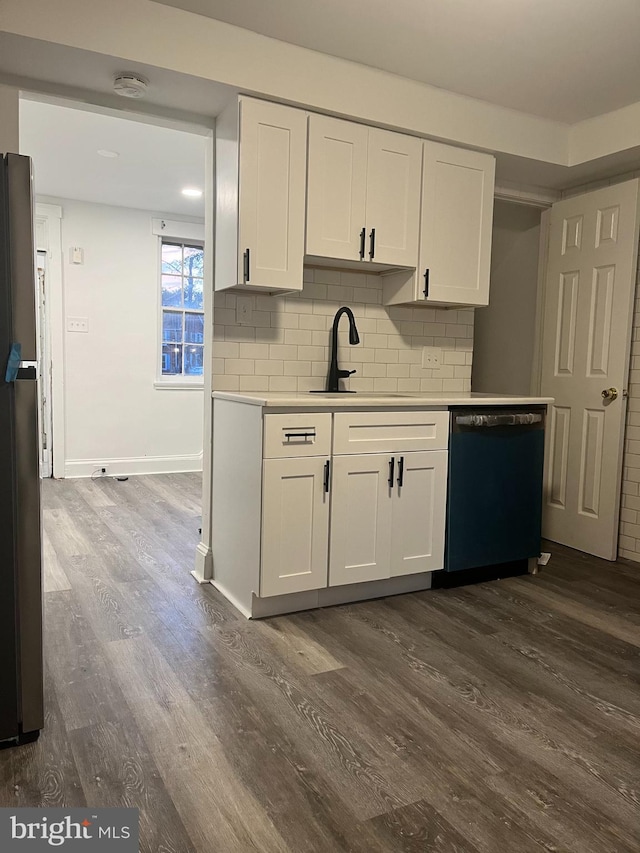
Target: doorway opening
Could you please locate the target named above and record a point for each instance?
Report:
(120, 240)
(563, 287)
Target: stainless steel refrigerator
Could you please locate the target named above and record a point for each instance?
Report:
(21, 669)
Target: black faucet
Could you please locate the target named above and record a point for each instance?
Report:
(335, 374)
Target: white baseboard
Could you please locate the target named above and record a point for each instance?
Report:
(277, 605)
(133, 466)
(203, 571)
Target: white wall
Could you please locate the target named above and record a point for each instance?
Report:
(212, 50)
(114, 416)
(9, 99)
(505, 330)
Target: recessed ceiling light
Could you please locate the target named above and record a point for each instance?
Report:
(104, 152)
(192, 192)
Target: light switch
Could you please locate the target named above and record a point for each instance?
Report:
(77, 324)
(76, 255)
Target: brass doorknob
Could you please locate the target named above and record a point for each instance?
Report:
(610, 394)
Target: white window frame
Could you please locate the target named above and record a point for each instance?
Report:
(179, 232)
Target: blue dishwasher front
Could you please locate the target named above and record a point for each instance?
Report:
(494, 501)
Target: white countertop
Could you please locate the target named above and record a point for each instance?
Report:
(296, 400)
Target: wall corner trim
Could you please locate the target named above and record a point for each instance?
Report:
(203, 571)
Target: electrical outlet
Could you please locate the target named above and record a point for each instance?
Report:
(244, 310)
(432, 357)
(77, 324)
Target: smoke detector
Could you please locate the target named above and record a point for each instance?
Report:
(130, 86)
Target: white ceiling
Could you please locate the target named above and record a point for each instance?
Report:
(565, 60)
(155, 163)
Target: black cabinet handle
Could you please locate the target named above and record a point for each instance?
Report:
(305, 435)
(392, 463)
(372, 248)
(363, 237)
(327, 467)
(426, 283)
(401, 471)
(247, 268)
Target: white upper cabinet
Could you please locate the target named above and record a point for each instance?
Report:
(363, 193)
(455, 231)
(336, 188)
(393, 197)
(457, 215)
(418, 212)
(261, 175)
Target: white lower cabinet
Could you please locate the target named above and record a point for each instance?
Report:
(418, 513)
(360, 519)
(351, 517)
(387, 515)
(295, 525)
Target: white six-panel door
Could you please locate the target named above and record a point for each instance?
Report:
(360, 519)
(394, 171)
(455, 233)
(418, 513)
(273, 156)
(588, 310)
(295, 525)
(337, 187)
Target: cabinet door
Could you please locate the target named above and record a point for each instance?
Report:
(295, 525)
(419, 509)
(394, 168)
(360, 519)
(336, 189)
(457, 215)
(273, 143)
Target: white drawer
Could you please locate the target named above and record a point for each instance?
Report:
(297, 435)
(389, 432)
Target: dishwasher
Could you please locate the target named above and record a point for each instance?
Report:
(494, 502)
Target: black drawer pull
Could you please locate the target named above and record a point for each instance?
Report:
(304, 435)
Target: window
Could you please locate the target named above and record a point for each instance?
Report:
(182, 271)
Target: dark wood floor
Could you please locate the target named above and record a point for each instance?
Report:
(498, 718)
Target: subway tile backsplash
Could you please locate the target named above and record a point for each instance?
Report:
(286, 347)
